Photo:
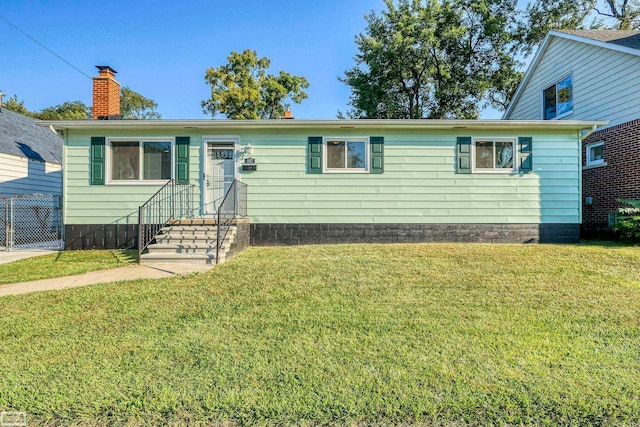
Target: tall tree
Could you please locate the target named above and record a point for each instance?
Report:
(134, 106)
(14, 104)
(434, 59)
(242, 89)
(71, 110)
(544, 15)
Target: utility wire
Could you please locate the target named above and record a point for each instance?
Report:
(44, 47)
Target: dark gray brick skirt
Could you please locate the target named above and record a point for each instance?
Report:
(312, 234)
(111, 236)
(101, 236)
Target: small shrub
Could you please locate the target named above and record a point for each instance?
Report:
(627, 226)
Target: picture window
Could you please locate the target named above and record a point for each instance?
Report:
(134, 160)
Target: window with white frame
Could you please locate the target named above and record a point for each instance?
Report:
(595, 153)
(494, 155)
(346, 155)
(140, 160)
(557, 99)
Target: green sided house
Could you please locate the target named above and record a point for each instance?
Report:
(321, 181)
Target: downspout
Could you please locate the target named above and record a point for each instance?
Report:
(581, 137)
(589, 132)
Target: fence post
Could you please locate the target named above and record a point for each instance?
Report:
(6, 222)
(11, 223)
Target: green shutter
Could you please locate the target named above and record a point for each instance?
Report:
(314, 154)
(376, 144)
(96, 174)
(525, 150)
(182, 159)
(463, 152)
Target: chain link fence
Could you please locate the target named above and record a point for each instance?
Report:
(4, 223)
(34, 222)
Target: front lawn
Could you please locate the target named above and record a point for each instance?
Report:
(442, 334)
(65, 263)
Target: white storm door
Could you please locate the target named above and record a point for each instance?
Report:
(219, 175)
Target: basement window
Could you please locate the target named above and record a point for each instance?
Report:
(140, 160)
(595, 153)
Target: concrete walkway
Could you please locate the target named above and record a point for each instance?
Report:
(131, 272)
(10, 256)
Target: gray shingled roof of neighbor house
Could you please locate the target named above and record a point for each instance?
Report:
(21, 136)
(626, 38)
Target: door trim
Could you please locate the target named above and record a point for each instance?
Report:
(222, 141)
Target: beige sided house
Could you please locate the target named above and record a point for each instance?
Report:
(591, 75)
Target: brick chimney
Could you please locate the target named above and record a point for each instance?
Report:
(106, 94)
(288, 115)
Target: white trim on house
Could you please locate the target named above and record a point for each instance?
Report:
(587, 40)
(369, 124)
(542, 49)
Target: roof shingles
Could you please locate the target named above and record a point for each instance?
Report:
(21, 136)
(630, 38)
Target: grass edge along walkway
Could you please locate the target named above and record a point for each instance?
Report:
(64, 263)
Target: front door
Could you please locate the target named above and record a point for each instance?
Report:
(219, 174)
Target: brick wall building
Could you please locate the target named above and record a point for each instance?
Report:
(611, 171)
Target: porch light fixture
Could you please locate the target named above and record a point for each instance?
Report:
(248, 149)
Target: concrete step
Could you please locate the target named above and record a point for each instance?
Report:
(195, 221)
(186, 243)
(186, 238)
(189, 229)
(197, 237)
(185, 248)
(161, 258)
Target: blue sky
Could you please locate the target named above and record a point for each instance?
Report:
(162, 48)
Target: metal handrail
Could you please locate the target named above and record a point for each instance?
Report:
(234, 204)
(171, 201)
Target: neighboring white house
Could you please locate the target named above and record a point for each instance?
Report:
(591, 75)
(581, 75)
(30, 157)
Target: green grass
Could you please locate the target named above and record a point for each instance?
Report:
(65, 263)
(439, 334)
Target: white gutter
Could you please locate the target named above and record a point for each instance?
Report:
(322, 124)
(589, 132)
